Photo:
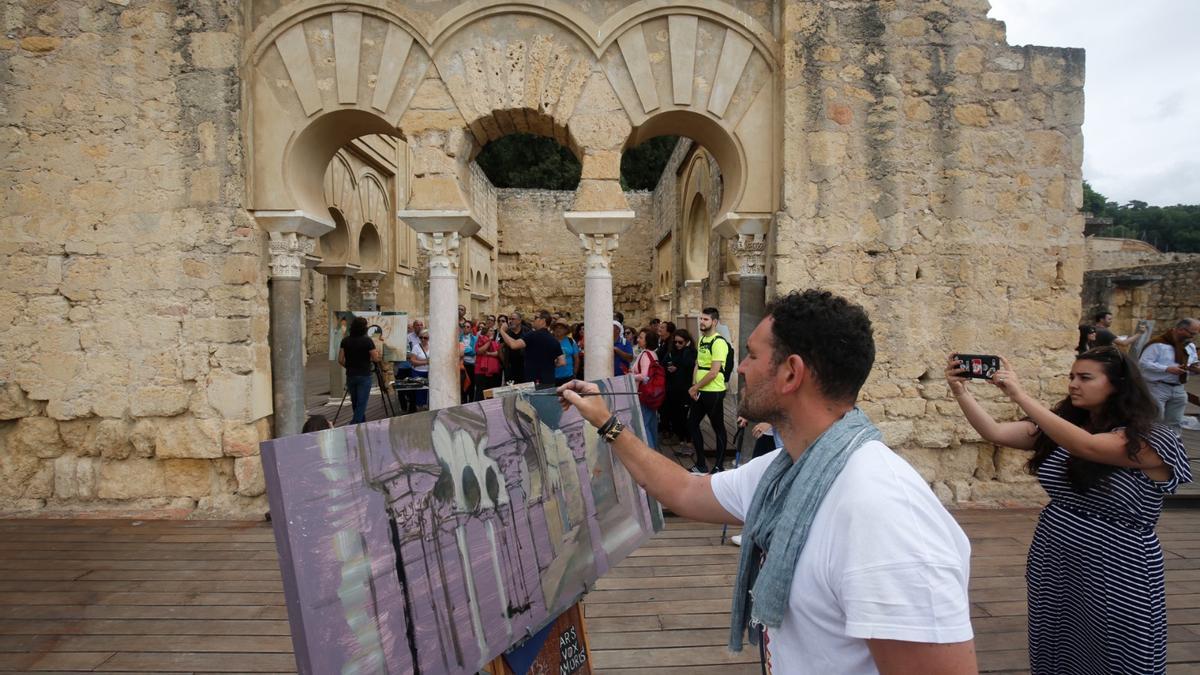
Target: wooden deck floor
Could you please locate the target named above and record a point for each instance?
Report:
(193, 597)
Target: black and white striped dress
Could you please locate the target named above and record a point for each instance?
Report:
(1095, 574)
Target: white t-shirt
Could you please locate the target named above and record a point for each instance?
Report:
(883, 559)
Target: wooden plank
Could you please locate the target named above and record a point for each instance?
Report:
(193, 661)
(206, 627)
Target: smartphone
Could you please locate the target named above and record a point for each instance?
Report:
(981, 366)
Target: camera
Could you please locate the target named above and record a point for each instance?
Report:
(979, 366)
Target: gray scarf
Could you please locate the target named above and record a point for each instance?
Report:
(779, 519)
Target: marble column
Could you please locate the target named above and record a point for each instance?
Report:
(439, 234)
(337, 299)
(368, 289)
(599, 233)
(293, 235)
(748, 244)
(288, 251)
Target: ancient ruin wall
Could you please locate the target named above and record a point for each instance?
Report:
(1162, 293)
(133, 297)
(541, 264)
(932, 173)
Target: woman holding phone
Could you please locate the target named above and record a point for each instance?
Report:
(1095, 567)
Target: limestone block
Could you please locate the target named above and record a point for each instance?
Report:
(41, 484)
(217, 330)
(827, 148)
(1010, 465)
(896, 432)
(911, 27)
(231, 396)
(599, 195)
(130, 479)
(40, 44)
(37, 437)
(76, 477)
(925, 460)
(14, 404)
(905, 407)
(969, 61)
(972, 115)
(240, 440)
(1008, 494)
(214, 50)
(934, 434)
(249, 474)
(159, 401)
(600, 130)
(141, 438)
(603, 164)
(187, 477)
(187, 437)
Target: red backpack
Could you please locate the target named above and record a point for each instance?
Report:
(653, 392)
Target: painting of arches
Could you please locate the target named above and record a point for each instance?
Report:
(434, 542)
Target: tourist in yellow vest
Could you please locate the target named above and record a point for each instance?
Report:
(708, 389)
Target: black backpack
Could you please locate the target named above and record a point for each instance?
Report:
(727, 367)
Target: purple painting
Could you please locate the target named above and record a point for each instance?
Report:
(433, 542)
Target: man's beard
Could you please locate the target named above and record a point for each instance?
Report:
(760, 408)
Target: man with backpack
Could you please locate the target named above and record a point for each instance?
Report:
(714, 365)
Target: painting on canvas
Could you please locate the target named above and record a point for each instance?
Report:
(433, 542)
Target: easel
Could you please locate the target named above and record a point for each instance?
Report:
(389, 409)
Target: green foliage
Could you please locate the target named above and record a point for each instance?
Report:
(530, 162)
(642, 166)
(1170, 228)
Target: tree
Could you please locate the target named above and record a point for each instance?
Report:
(530, 162)
(641, 167)
(1170, 228)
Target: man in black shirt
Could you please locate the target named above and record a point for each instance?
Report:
(1105, 336)
(542, 352)
(356, 354)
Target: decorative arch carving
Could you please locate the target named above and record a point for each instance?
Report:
(322, 73)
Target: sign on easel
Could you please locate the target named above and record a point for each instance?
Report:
(559, 648)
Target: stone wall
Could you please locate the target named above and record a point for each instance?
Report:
(133, 294)
(932, 173)
(1105, 253)
(1162, 293)
(541, 264)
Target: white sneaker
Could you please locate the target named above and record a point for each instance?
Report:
(736, 539)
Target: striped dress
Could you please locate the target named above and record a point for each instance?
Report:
(1097, 600)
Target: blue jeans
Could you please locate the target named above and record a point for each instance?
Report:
(359, 387)
(650, 422)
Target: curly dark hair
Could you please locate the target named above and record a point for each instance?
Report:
(831, 334)
(1130, 406)
(358, 327)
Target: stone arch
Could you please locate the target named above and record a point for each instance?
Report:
(373, 200)
(695, 242)
(370, 249)
(335, 244)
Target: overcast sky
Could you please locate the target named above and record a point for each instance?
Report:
(1142, 126)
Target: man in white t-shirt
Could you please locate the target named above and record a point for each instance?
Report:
(880, 581)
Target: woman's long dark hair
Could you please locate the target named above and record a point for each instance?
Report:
(1129, 406)
(1084, 332)
(358, 327)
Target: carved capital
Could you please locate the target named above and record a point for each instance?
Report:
(442, 248)
(750, 252)
(368, 287)
(599, 248)
(288, 254)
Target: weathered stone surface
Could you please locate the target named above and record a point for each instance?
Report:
(36, 436)
(76, 477)
(249, 473)
(187, 437)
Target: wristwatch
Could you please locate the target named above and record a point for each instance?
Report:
(614, 431)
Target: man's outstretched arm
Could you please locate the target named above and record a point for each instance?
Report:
(684, 494)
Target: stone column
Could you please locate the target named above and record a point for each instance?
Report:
(368, 289)
(292, 237)
(748, 244)
(598, 231)
(438, 233)
(337, 298)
